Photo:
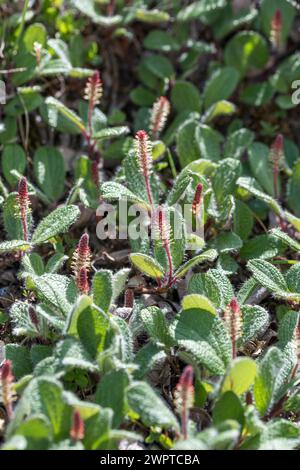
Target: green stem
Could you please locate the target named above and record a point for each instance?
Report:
(25, 8)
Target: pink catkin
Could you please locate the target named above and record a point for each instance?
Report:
(197, 199)
(93, 93)
(233, 320)
(185, 397)
(159, 115)
(276, 29)
(77, 430)
(165, 239)
(7, 378)
(82, 281)
(143, 151)
(24, 204)
(82, 255)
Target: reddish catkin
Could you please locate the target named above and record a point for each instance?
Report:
(276, 157)
(276, 30)
(33, 316)
(95, 172)
(82, 281)
(7, 379)
(129, 298)
(159, 116)
(37, 48)
(197, 199)
(144, 156)
(93, 93)
(24, 205)
(164, 235)
(77, 429)
(233, 321)
(82, 255)
(184, 398)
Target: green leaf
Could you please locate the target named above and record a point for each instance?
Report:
(37, 432)
(152, 410)
(141, 96)
(187, 147)
(293, 190)
(55, 107)
(257, 94)
(287, 327)
(286, 239)
(240, 376)
(13, 158)
(263, 246)
(146, 358)
(44, 396)
(224, 285)
(156, 325)
(245, 51)
(57, 222)
(119, 282)
(147, 265)
(71, 354)
(112, 191)
(56, 290)
(255, 322)
(261, 167)
(89, 8)
(198, 301)
(209, 255)
(14, 245)
(55, 263)
(227, 241)
(237, 143)
(20, 358)
(82, 303)
(293, 278)
(92, 327)
(268, 276)
(160, 66)
(158, 40)
(179, 188)
(116, 383)
(111, 133)
(103, 289)
(151, 16)
(209, 142)
(49, 170)
(221, 108)
(220, 85)
(243, 220)
(228, 406)
(198, 9)
(204, 335)
(34, 33)
(270, 379)
(185, 96)
(205, 284)
(250, 185)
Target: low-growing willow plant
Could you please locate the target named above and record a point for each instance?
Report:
(160, 253)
